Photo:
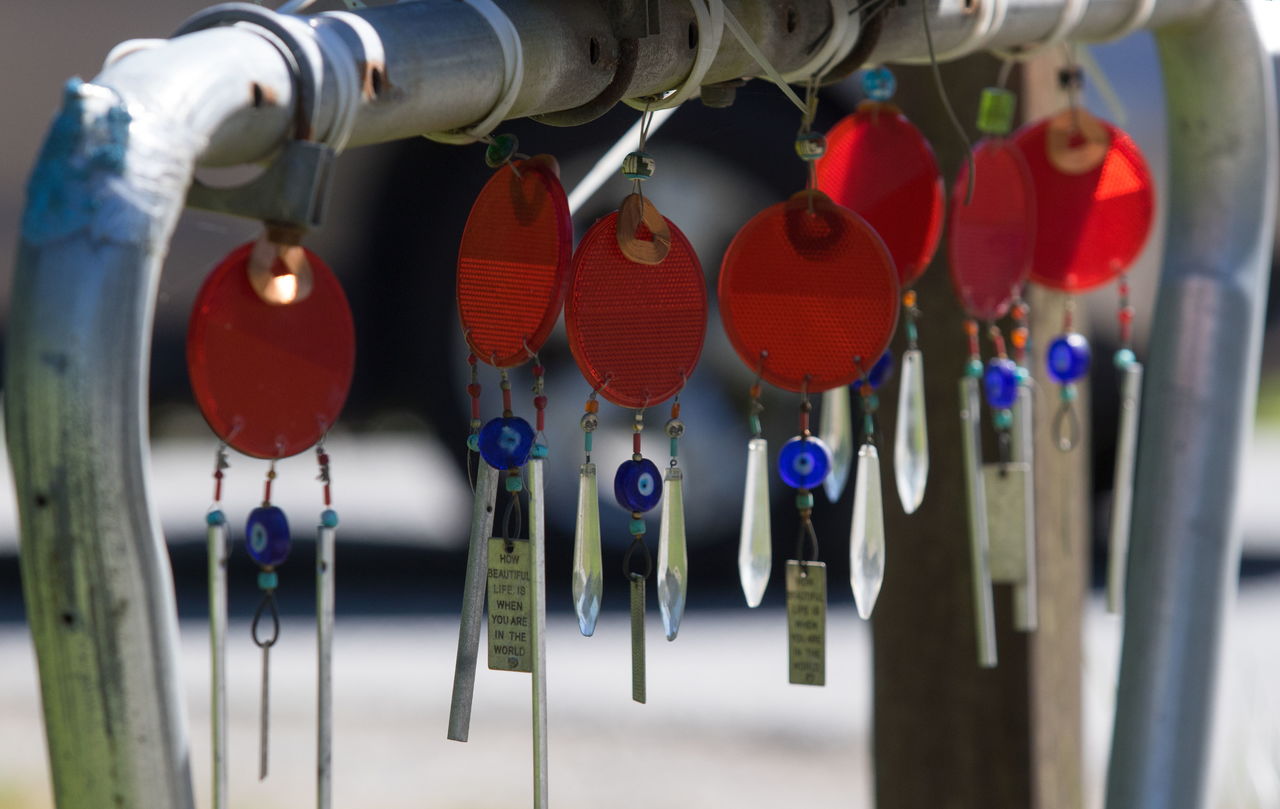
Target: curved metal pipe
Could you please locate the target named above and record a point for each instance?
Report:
(1198, 409)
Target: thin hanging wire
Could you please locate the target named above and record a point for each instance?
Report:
(946, 104)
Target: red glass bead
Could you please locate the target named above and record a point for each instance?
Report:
(539, 402)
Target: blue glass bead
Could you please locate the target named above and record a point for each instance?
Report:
(473, 442)
(804, 462)
(329, 518)
(882, 370)
(879, 83)
(638, 485)
(637, 527)
(1124, 358)
(268, 580)
(1068, 357)
(266, 536)
(215, 517)
(1000, 383)
(505, 443)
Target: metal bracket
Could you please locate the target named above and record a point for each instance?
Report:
(292, 191)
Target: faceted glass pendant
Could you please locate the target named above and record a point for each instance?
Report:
(755, 546)
(866, 541)
(836, 429)
(673, 555)
(911, 437)
(588, 578)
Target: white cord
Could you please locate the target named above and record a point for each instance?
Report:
(1072, 13)
(513, 76)
(754, 49)
(1138, 17)
(607, 166)
(990, 16)
(709, 16)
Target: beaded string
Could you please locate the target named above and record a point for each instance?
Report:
(805, 534)
(1124, 356)
(1067, 360)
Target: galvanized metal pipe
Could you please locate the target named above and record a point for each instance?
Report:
(1201, 385)
(111, 181)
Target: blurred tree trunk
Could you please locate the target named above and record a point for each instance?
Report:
(948, 734)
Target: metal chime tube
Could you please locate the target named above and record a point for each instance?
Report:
(325, 541)
(984, 613)
(217, 552)
(538, 628)
(473, 593)
(1025, 612)
(1122, 499)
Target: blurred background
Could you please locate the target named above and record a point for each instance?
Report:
(722, 726)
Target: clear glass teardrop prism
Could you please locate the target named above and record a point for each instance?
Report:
(755, 546)
(673, 555)
(911, 437)
(836, 430)
(866, 537)
(588, 578)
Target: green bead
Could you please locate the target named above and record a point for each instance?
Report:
(995, 111)
(1068, 393)
(267, 580)
(755, 425)
(804, 501)
(1022, 374)
(502, 149)
(473, 442)
(675, 447)
(514, 483)
(637, 527)
(586, 441)
(973, 368)
(1124, 358)
(1003, 419)
(638, 166)
(912, 333)
(873, 402)
(539, 451)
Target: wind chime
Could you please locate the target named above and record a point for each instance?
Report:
(878, 164)
(636, 317)
(513, 264)
(789, 282)
(1094, 208)
(270, 352)
(991, 242)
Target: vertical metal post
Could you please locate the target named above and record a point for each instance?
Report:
(1201, 383)
(538, 626)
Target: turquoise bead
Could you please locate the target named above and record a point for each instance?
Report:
(973, 368)
(216, 517)
(675, 447)
(329, 518)
(540, 451)
(586, 442)
(637, 526)
(1068, 393)
(267, 580)
(1124, 358)
(879, 83)
(473, 442)
(804, 500)
(1003, 419)
(514, 483)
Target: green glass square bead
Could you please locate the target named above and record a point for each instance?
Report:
(996, 110)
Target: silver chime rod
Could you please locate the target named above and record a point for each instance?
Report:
(537, 575)
(217, 553)
(1026, 613)
(325, 541)
(984, 613)
(1122, 497)
(112, 181)
(473, 593)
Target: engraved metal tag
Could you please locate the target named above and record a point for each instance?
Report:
(1006, 489)
(807, 622)
(510, 605)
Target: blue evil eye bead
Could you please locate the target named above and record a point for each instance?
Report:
(1068, 358)
(882, 370)
(1000, 383)
(266, 536)
(638, 485)
(505, 443)
(879, 84)
(804, 462)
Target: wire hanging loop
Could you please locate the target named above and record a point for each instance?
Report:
(511, 522)
(266, 606)
(1066, 424)
(637, 543)
(806, 540)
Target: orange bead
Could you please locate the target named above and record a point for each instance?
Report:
(593, 406)
(755, 391)
(971, 328)
(675, 410)
(1019, 338)
(909, 299)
